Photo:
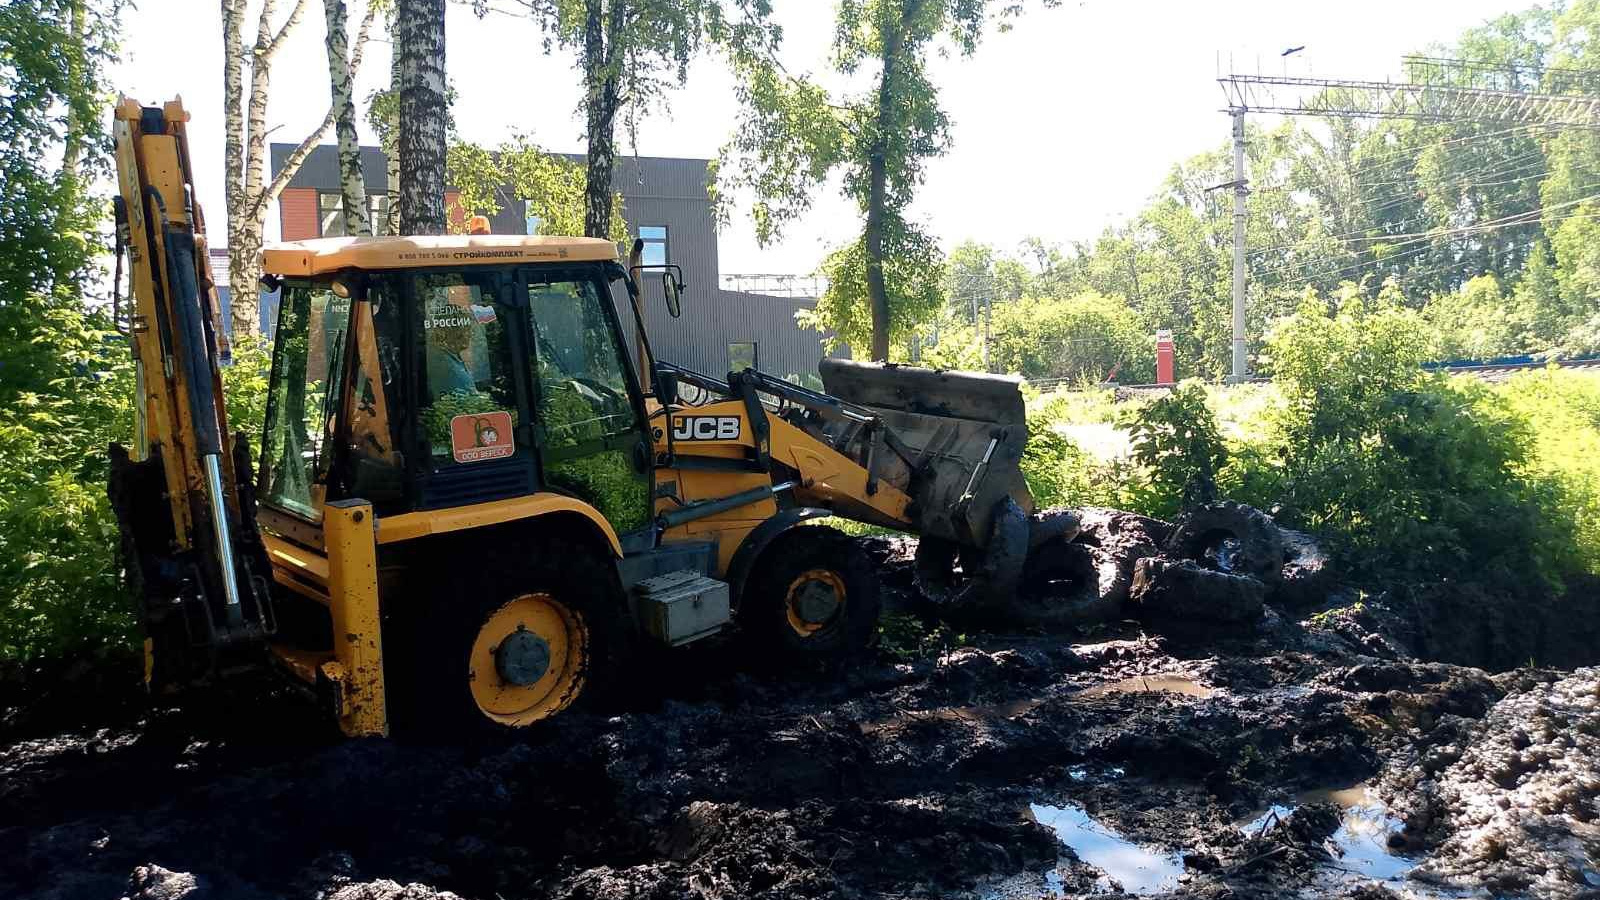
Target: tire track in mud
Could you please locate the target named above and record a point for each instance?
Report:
(904, 780)
(898, 779)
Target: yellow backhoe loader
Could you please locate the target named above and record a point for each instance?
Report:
(471, 490)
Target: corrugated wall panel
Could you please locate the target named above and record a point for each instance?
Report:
(297, 213)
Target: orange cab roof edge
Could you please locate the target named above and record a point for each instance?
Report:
(322, 255)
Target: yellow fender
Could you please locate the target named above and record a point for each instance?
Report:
(408, 526)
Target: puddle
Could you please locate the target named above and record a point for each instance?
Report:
(1140, 870)
(1141, 684)
(994, 712)
(1083, 773)
(1360, 845)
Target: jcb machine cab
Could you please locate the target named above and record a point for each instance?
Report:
(473, 488)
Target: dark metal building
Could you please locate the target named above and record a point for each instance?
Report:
(664, 202)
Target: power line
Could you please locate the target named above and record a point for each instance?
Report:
(1423, 99)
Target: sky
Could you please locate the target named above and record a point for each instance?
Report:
(1061, 126)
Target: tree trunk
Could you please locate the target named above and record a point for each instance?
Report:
(244, 268)
(245, 143)
(423, 114)
(877, 196)
(602, 78)
(391, 156)
(72, 149)
(241, 284)
(352, 186)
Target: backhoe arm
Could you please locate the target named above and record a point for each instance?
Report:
(188, 534)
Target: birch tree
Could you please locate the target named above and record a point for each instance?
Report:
(352, 186)
(249, 195)
(423, 116)
(794, 134)
(630, 53)
(383, 114)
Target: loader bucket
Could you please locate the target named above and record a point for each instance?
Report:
(960, 437)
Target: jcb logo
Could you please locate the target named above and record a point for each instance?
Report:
(706, 428)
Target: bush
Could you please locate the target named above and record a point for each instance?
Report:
(1562, 410)
(1060, 473)
(1411, 472)
(244, 382)
(58, 536)
(1177, 443)
(59, 571)
(1087, 336)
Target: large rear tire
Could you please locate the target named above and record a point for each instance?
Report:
(513, 643)
(813, 597)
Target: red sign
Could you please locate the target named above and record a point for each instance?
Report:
(480, 436)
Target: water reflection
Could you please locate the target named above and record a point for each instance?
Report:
(1139, 870)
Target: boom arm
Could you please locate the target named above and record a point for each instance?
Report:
(186, 545)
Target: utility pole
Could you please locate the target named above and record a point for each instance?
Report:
(987, 304)
(1240, 191)
(1436, 90)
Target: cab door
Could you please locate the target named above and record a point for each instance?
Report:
(587, 406)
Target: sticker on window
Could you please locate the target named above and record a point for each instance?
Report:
(479, 436)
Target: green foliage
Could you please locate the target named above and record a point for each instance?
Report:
(245, 387)
(608, 480)
(1412, 472)
(1492, 230)
(436, 417)
(1089, 336)
(906, 637)
(1059, 472)
(52, 99)
(913, 268)
(1562, 410)
(1476, 322)
(793, 134)
(552, 185)
(974, 275)
(66, 380)
(1177, 442)
(58, 536)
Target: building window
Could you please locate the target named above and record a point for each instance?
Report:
(530, 219)
(741, 356)
(330, 215)
(377, 211)
(655, 244)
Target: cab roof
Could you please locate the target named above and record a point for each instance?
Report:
(316, 257)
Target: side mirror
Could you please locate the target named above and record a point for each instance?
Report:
(671, 287)
(666, 387)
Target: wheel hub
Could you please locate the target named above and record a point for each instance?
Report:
(522, 658)
(528, 660)
(815, 602)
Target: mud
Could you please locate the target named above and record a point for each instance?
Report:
(1312, 754)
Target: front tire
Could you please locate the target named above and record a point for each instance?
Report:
(512, 644)
(813, 597)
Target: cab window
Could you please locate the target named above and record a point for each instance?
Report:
(301, 398)
(590, 429)
(375, 463)
(467, 382)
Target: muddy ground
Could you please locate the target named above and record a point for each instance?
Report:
(1316, 751)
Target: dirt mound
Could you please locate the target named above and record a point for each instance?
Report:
(1513, 804)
